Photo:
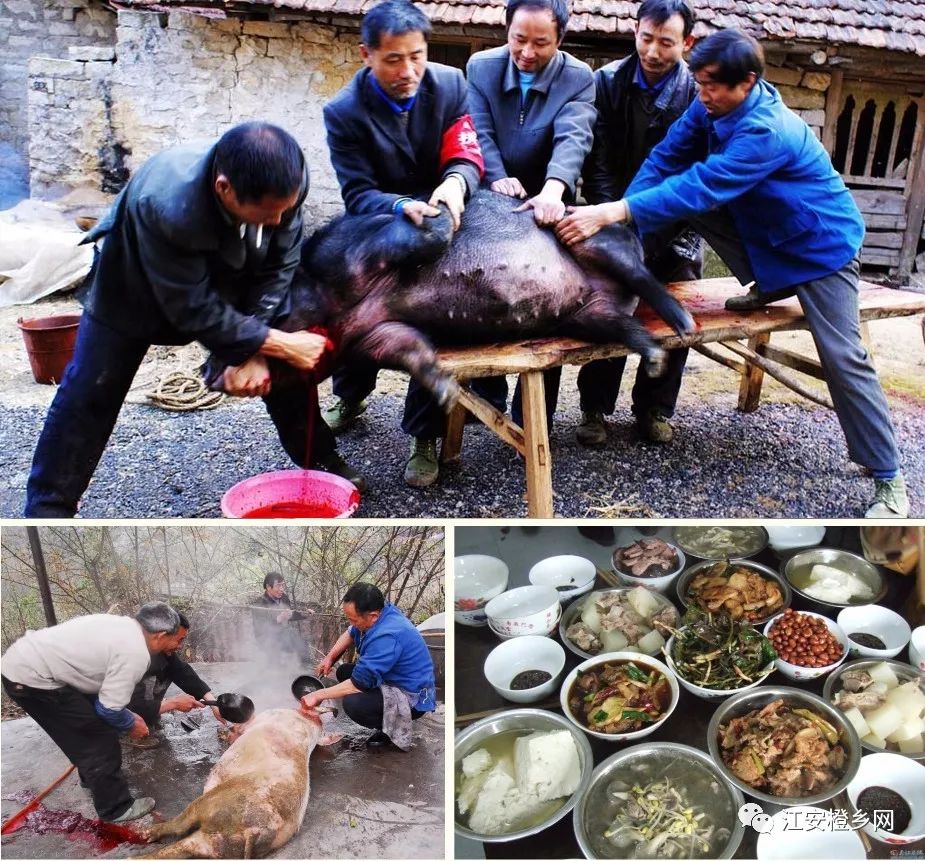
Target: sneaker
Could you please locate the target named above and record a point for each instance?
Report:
(592, 432)
(890, 499)
(422, 468)
(755, 299)
(654, 427)
(140, 807)
(343, 414)
(336, 465)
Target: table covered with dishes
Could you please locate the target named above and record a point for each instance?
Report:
(687, 692)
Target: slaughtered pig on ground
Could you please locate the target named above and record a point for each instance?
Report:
(255, 797)
(389, 291)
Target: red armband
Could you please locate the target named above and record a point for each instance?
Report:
(461, 142)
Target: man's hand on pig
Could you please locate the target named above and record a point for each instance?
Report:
(310, 702)
(250, 380)
(452, 193)
(302, 350)
(509, 186)
(139, 727)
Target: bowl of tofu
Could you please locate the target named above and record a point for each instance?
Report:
(517, 773)
(884, 701)
(824, 579)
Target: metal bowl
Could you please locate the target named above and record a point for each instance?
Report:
(752, 700)
(842, 560)
(690, 766)
(681, 537)
(526, 721)
(573, 612)
(768, 573)
(904, 672)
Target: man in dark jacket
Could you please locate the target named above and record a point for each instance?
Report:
(201, 245)
(272, 613)
(638, 98)
(533, 108)
(401, 142)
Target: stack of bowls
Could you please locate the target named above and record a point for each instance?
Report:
(476, 580)
(524, 611)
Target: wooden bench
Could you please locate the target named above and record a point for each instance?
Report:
(704, 299)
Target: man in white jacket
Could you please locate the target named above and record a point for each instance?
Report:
(76, 679)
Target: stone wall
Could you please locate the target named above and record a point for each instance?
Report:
(49, 27)
(802, 92)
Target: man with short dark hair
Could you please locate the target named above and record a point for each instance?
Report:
(392, 681)
(201, 245)
(76, 680)
(401, 143)
(755, 182)
(638, 98)
(272, 612)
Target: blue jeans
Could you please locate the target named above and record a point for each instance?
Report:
(83, 414)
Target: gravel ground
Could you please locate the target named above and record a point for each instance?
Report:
(785, 460)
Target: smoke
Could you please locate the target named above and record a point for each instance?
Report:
(14, 176)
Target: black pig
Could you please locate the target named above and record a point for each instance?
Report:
(389, 291)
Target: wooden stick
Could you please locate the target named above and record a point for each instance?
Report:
(772, 369)
(16, 820)
(610, 578)
(716, 356)
(474, 716)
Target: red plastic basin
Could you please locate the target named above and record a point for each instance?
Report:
(291, 493)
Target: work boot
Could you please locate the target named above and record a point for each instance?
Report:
(343, 414)
(422, 468)
(755, 299)
(654, 427)
(378, 740)
(890, 499)
(336, 465)
(140, 807)
(592, 432)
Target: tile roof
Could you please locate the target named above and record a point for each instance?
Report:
(893, 25)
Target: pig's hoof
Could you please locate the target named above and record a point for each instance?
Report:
(656, 362)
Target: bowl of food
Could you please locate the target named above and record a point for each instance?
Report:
(525, 669)
(618, 620)
(523, 611)
(874, 631)
(890, 791)
(885, 703)
(808, 645)
(804, 831)
(517, 773)
(659, 800)
(715, 656)
(570, 576)
(743, 590)
(720, 542)
(621, 696)
(649, 562)
(476, 580)
(825, 579)
(783, 745)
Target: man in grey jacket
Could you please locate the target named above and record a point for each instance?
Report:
(201, 245)
(533, 108)
(638, 98)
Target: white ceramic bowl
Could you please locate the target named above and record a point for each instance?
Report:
(570, 576)
(525, 610)
(802, 674)
(902, 775)
(476, 580)
(660, 584)
(520, 654)
(890, 627)
(786, 540)
(706, 693)
(641, 661)
(804, 831)
(917, 647)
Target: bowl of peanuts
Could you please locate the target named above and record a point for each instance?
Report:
(808, 645)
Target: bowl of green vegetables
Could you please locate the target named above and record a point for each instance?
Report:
(715, 656)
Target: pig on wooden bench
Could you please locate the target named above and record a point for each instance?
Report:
(255, 797)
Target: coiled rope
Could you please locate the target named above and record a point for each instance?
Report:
(183, 391)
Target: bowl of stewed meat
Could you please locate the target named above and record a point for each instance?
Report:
(620, 696)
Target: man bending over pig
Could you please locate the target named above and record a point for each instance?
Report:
(201, 245)
(392, 681)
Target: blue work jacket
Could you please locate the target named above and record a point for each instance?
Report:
(794, 214)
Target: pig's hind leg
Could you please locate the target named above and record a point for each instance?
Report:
(196, 845)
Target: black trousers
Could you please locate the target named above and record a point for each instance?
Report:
(88, 741)
(365, 708)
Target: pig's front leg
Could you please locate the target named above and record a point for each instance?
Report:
(397, 345)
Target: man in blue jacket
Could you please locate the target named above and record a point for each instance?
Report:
(752, 178)
(392, 681)
(401, 142)
(201, 245)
